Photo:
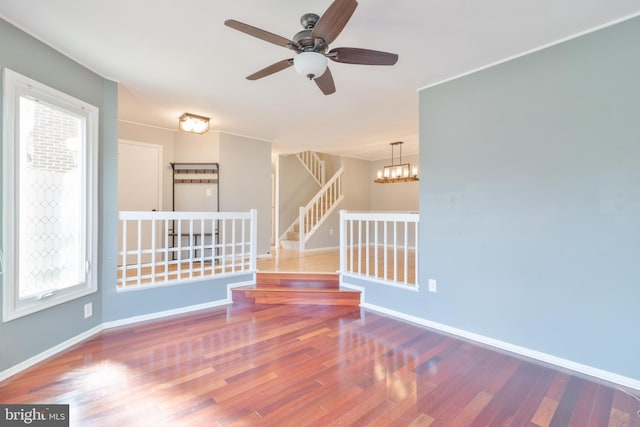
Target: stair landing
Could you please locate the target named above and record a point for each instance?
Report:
(296, 288)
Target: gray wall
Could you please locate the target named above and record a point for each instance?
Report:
(401, 197)
(124, 305)
(530, 201)
(30, 335)
(191, 147)
(357, 177)
(245, 181)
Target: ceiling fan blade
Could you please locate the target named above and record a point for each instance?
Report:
(354, 55)
(334, 20)
(261, 34)
(271, 69)
(325, 83)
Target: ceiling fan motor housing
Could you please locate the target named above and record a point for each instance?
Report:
(309, 20)
(303, 38)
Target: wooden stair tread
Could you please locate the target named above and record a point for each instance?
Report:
(296, 288)
(299, 280)
(299, 275)
(286, 289)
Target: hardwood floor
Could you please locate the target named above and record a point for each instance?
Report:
(303, 365)
(276, 365)
(325, 261)
(328, 261)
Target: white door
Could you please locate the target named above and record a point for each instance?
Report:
(139, 186)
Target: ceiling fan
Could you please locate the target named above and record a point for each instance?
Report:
(312, 46)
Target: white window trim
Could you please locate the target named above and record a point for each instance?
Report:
(15, 85)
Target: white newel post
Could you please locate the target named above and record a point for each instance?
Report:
(343, 242)
(301, 229)
(254, 239)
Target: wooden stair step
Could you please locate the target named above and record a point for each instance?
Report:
(288, 295)
(296, 288)
(298, 280)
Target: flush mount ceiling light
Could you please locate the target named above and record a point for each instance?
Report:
(193, 123)
(310, 64)
(397, 172)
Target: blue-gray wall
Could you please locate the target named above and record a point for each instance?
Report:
(530, 201)
(23, 338)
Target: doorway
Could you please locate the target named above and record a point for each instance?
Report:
(139, 185)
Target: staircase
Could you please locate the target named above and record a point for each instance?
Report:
(314, 165)
(311, 216)
(296, 288)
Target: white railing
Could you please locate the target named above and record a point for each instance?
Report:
(310, 217)
(314, 164)
(381, 247)
(160, 248)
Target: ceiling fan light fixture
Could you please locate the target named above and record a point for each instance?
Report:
(193, 123)
(310, 64)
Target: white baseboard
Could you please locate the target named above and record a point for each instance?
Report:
(166, 313)
(523, 351)
(323, 249)
(49, 352)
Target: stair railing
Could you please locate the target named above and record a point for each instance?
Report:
(162, 248)
(312, 215)
(314, 165)
(380, 247)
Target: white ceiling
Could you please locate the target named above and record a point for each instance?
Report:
(174, 56)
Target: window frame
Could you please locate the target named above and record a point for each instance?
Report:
(15, 86)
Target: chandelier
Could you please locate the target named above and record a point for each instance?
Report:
(397, 172)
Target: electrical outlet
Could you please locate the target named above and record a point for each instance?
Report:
(331, 232)
(88, 310)
(433, 286)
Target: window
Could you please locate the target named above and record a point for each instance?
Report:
(50, 150)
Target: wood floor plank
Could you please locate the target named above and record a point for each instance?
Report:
(567, 403)
(466, 415)
(283, 365)
(602, 406)
(547, 407)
